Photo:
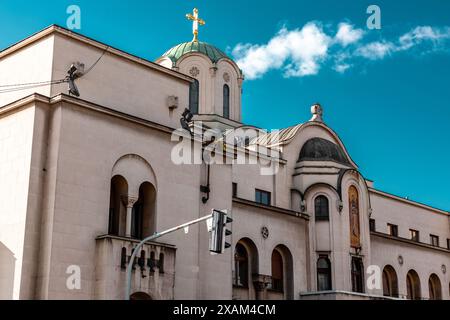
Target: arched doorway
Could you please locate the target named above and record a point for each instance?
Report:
(434, 287)
(413, 285)
(140, 296)
(390, 282)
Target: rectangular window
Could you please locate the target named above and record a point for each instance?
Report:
(262, 197)
(393, 230)
(434, 240)
(448, 244)
(194, 89)
(372, 225)
(234, 190)
(414, 235)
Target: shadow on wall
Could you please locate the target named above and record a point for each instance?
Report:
(7, 265)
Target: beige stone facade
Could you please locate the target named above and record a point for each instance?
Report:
(83, 178)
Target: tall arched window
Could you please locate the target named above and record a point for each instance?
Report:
(245, 266)
(434, 287)
(143, 213)
(226, 101)
(357, 275)
(277, 271)
(321, 209)
(240, 266)
(390, 282)
(194, 92)
(413, 285)
(117, 210)
(323, 274)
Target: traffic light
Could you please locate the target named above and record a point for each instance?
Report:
(219, 232)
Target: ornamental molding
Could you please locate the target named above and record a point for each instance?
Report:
(194, 72)
(226, 77)
(265, 232)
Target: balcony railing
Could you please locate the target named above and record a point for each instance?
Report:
(153, 269)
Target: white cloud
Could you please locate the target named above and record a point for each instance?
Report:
(299, 52)
(341, 68)
(347, 34)
(380, 49)
(341, 64)
(421, 34)
(375, 50)
(303, 52)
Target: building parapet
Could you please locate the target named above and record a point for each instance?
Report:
(342, 295)
(413, 203)
(153, 268)
(409, 241)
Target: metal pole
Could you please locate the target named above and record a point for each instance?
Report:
(153, 237)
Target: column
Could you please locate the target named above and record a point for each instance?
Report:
(129, 202)
(260, 283)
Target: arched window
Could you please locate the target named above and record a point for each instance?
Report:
(143, 213)
(323, 274)
(245, 266)
(390, 282)
(413, 285)
(434, 287)
(226, 101)
(357, 275)
(117, 210)
(321, 209)
(194, 92)
(240, 266)
(277, 271)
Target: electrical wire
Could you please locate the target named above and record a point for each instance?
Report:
(31, 85)
(28, 84)
(10, 88)
(95, 63)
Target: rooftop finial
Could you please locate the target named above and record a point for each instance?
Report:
(317, 112)
(196, 21)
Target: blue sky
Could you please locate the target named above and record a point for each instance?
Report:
(390, 107)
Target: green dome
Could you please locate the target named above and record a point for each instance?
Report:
(180, 50)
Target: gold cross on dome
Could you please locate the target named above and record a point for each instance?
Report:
(196, 22)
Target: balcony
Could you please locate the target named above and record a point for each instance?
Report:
(153, 274)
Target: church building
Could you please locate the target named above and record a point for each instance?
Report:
(87, 170)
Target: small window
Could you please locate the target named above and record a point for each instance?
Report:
(357, 275)
(323, 274)
(434, 240)
(448, 244)
(321, 209)
(234, 190)
(161, 263)
(372, 225)
(414, 235)
(392, 230)
(226, 101)
(262, 197)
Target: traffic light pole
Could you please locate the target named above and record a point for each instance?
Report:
(151, 238)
